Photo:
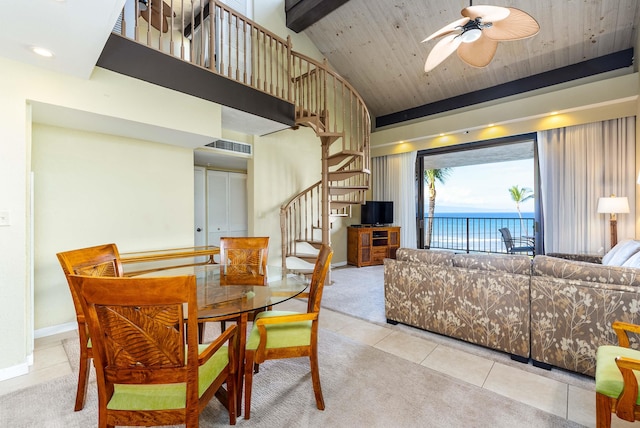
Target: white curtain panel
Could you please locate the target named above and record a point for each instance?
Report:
(578, 165)
(394, 180)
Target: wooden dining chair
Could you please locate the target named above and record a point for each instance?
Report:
(147, 374)
(617, 368)
(243, 261)
(101, 260)
(284, 334)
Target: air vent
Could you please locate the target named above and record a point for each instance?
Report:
(118, 27)
(231, 146)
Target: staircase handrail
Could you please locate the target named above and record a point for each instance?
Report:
(233, 46)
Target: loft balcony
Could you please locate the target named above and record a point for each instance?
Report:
(208, 51)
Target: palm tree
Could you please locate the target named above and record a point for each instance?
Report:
(520, 195)
(430, 178)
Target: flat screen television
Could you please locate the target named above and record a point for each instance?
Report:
(377, 212)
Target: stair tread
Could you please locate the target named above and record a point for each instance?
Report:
(345, 153)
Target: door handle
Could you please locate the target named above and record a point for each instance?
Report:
(198, 230)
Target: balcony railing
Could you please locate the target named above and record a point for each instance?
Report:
(211, 35)
(477, 234)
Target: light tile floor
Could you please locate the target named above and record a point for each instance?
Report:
(563, 394)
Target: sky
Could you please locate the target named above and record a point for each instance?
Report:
(484, 188)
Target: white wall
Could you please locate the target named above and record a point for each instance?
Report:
(93, 189)
(270, 14)
(284, 164)
(125, 102)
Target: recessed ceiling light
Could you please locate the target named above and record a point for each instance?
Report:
(42, 51)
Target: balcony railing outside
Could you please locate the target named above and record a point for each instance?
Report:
(477, 234)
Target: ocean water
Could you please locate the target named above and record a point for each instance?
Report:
(479, 232)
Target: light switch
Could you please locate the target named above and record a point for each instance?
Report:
(5, 218)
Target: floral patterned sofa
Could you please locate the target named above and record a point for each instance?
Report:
(556, 309)
(479, 298)
(574, 303)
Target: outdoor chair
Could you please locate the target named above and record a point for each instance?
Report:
(516, 245)
(101, 260)
(285, 334)
(616, 381)
(146, 373)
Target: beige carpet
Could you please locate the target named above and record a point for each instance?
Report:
(358, 292)
(362, 387)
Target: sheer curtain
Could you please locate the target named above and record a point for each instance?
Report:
(394, 180)
(578, 165)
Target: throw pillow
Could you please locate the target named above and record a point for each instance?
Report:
(621, 252)
(633, 261)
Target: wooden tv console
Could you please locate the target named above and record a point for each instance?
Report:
(370, 245)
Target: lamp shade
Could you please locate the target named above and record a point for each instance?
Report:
(613, 205)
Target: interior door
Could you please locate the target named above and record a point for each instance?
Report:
(217, 201)
(238, 221)
(200, 208)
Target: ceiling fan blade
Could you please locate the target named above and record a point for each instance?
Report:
(518, 25)
(445, 47)
(447, 29)
(155, 18)
(157, 21)
(487, 13)
(479, 53)
(166, 9)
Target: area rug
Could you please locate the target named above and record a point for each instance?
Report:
(358, 292)
(362, 386)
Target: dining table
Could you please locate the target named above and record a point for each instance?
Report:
(235, 302)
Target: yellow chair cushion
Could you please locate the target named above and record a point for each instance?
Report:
(608, 377)
(281, 335)
(167, 396)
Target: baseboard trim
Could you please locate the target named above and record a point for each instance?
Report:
(17, 370)
(55, 329)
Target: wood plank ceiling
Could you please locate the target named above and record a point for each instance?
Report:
(376, 45)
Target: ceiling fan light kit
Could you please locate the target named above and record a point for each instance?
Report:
(475, 37)
(471, 36)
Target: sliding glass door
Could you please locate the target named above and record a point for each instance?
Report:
(468, 192)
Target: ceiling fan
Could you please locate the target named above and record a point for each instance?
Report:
(475, 37)
(155, 13)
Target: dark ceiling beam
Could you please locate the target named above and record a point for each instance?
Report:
(587, 68)
(301, 14)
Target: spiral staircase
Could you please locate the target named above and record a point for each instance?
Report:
(249, 54)
(326, 103)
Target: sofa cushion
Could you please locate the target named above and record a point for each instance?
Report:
(609, 277)
(437, 257)
(511, 263)
(621, 252)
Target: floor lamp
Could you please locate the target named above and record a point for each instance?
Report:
(613, 205)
